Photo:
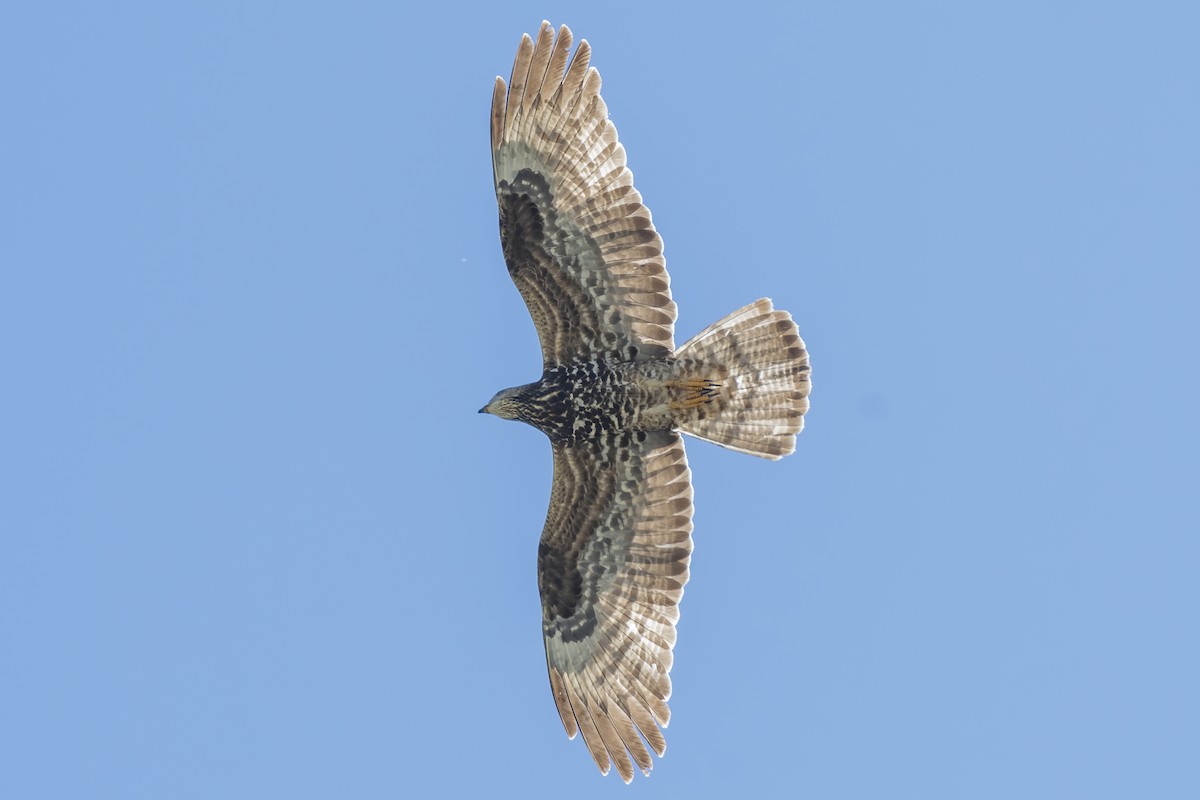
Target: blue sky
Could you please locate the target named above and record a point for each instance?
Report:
(255, 541)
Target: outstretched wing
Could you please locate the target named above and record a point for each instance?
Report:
(612, 564)
(578, 242)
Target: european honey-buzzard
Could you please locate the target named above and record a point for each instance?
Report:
(614, 396)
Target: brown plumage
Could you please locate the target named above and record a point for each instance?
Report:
(613, 397)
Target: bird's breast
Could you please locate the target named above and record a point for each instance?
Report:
(586, 399)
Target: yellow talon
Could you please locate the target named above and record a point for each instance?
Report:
(696, 392)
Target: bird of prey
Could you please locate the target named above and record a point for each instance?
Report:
(614, 396)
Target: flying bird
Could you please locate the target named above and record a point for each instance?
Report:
(614, 396)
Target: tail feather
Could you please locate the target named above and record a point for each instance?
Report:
(759, 364)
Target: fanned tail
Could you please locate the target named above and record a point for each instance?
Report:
(751, 377)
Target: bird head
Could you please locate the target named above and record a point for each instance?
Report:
(506, 404)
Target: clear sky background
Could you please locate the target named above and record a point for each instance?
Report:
(256, 542)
